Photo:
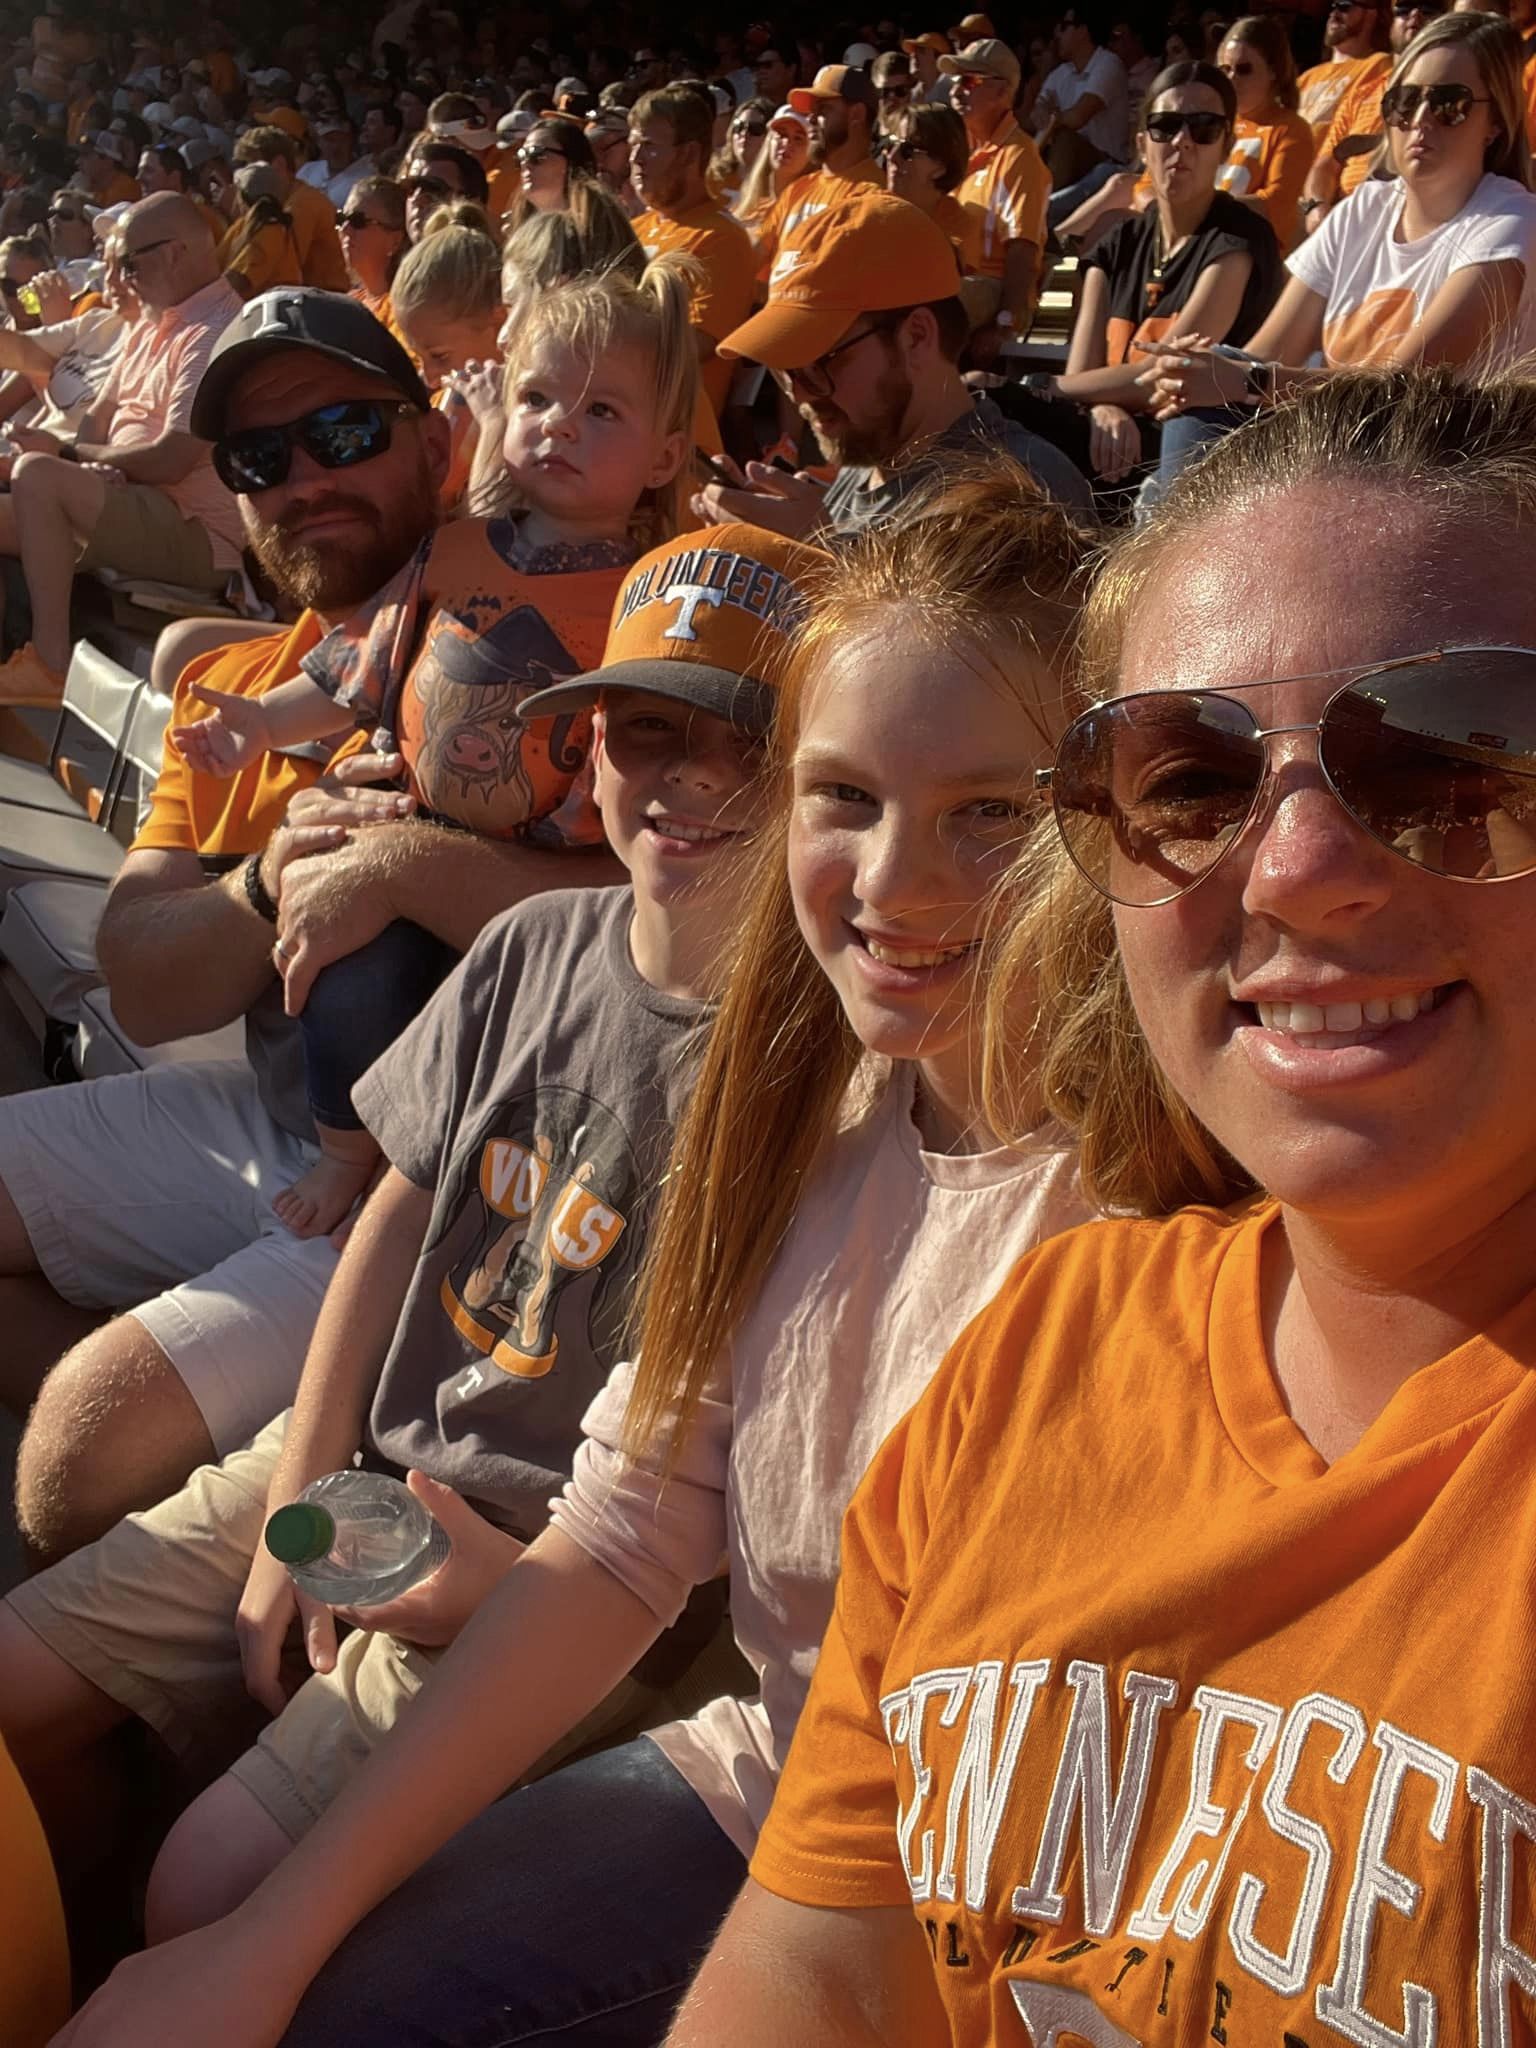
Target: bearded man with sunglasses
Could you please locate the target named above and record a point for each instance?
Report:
(135, 491)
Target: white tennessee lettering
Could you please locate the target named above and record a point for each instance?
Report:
(903, 1714)
(1499, 1963)
(979, 1786)
(1205, 1817)
(1108, 1822)
(1289, 1970)
(1341, 2003)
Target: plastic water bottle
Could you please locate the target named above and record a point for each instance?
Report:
(356, 1539)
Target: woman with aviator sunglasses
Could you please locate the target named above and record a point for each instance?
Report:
(1435, 263)
(1178, 1683)
(372, 231)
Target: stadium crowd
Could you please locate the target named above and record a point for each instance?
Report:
(840, 720)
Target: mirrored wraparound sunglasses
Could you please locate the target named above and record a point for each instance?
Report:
(1449, 104)
(335, 436)
(1434, 755)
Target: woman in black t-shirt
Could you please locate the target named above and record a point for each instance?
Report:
(1196, 261)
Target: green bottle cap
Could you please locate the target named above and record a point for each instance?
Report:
(300, 1533)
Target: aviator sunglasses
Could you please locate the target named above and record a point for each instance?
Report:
(334, 436)
(1434, 755)
(1448, 104)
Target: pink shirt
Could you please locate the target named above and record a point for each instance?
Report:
(151, 393)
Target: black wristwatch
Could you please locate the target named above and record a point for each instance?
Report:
(256, 892)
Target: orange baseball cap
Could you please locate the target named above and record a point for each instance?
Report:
(835, 82)
(869, 253)
(708, 619)
(929, 40)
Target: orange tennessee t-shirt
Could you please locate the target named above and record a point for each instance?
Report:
(1358, 114)
(1007, 180)
(34, 1956)
(1165, 1731)
(813, 192)
(1322, 88)
(314, 229)
(722, 300)
(191, 813)
(1269, 162)
(964, 223)
(270, 258)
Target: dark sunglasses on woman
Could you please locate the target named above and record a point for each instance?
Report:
(1203, 127)
(1434, 755)
(749, 127)
(334, 436)
(355, 222)
(530, 157)
(1448, 104)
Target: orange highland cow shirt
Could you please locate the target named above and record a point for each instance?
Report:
(1167, 1732)
(445, 653)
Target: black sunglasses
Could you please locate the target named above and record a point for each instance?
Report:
(749, 127)
(902, 90)
(132, 258)
(335, 436)
(1433, 755)
(1449, 104)
(1404, 8)
(1203, 127)
(536, 155)
(355, 220)
(905, 150)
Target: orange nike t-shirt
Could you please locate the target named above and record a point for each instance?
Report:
(722, 300)
(811, 193)
(1166, 1731)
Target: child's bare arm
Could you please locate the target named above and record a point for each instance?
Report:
(239, 728)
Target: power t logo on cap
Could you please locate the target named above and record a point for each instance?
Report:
(708, 619)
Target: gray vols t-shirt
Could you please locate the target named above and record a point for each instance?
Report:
(536, 1095)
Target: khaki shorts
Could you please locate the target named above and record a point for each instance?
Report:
(141, 532)
(153, 1192)
(148, 1616)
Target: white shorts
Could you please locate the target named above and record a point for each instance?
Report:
(153, 1192)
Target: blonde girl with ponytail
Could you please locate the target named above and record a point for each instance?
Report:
(840, 1201)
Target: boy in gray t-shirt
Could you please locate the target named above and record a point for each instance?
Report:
(525, 1117)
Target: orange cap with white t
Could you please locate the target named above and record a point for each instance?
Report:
(709, 619)
(867, 253)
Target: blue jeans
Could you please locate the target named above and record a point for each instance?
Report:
(573, 1912)
(1187, 436)
(1072, 196)
(359, 1006)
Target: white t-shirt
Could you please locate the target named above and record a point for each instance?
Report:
(1375, 287)
(892, 1252)
(1104, 76)
(85, 351)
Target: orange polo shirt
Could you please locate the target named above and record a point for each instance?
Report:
(722, 299)
(1009, 184)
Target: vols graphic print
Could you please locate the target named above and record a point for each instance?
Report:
(539, 1237)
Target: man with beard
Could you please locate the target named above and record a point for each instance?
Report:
(151, 1193)
(863, 330)
(841, 106)
(134, 490)
(669, 150)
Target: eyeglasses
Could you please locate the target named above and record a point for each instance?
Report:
(428, 188)
(1204, 128)
(1434, 755)
(354, 222)
(815, 378)
(1449, 105)
(335, 436)
(529, 157)
(132, 258)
